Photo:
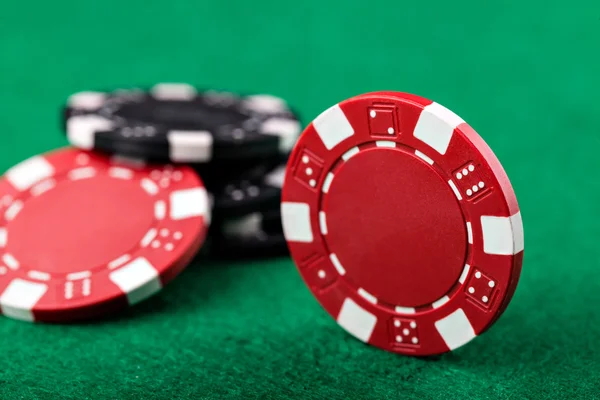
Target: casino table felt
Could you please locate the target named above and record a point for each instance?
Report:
(523, 75)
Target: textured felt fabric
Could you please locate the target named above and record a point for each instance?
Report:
(524, 74)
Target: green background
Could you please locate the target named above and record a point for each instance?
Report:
(526, 75)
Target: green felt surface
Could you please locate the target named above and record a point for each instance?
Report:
(524, 74)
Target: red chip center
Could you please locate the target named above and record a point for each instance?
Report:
(396, 227)
(80, 225)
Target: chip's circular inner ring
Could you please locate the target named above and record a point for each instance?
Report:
(94, 204)
(393, 241)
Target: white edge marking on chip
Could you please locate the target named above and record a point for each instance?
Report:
(323, 222)
(120, 173)
(10, 261)
(464, 274)
(327, 182)
(356, 320)
(185, 146)
(266, 104)
(455, 329)
(68, 290)
(188, 203)
(276, 177)
(29, 172)
(440, 302)
(354, 150)
(502, 235)
(3, 237)
(337, 264)
(87, 100)
(119, 261)
(13, 210)
(39, 275)
(295, 218)
(148, 237)
(385, 143)
(424, 157)
(367, 296)
(160, 210)
(82, 173)
(288, 131)
(43, 187)
(435, 127)
(19, 298)
(519, 236)
(149, 186)
(86, 287)
(82, 129)
(470, 233)
(455, 189)
(405, 310)
(76, 276)
(173, 91)
(138, 279)
(333, 127)
(244, 226)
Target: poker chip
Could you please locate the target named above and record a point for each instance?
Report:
(217, 175)
(177, 123)
(246, 196)
(83, 235)
(403, 223)
(258, 234)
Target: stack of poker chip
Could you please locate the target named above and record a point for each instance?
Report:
(151, 179)
(400, 219)
(238, 145)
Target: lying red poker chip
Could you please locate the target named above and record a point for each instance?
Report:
(403, 223)
(83, 235)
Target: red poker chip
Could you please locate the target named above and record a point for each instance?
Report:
(82, 234)
(403, 223)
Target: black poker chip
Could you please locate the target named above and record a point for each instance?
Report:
(177, 123)
(248, 195)
(258, 234)
(218, 175)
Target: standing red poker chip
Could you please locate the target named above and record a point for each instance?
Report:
(403, 223)
(83, 235)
